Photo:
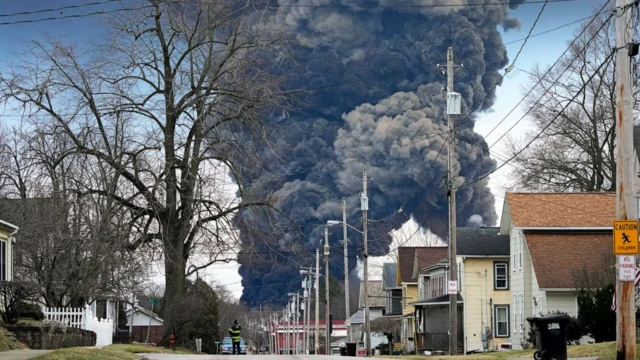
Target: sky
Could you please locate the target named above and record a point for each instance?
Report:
(541, 50)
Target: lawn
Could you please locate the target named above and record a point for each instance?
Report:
(111, 352)
(605, 351)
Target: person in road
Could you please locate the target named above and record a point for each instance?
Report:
(234, 333)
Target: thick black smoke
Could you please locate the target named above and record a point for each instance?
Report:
(392, 122)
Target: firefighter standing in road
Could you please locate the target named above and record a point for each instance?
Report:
(234, 332)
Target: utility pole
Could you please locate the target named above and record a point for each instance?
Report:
(326, 286)
(317, 285)
(625, 208)
(346, 266)
(364, 206)
(453, 109)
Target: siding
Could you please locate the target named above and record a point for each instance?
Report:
(4, 236)
(565, 301)
(410, 294)
(521, 290)
(479, 299)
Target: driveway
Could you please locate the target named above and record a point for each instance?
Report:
(22, 354)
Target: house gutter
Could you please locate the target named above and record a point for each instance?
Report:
(10, 226)
(566, 228)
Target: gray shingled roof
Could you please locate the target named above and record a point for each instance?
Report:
(389, 273)
(377, 297)
(482, 241)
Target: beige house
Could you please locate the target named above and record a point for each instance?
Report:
(553, 238)
(7, 242)
(485, 287)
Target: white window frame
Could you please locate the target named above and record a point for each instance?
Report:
(495, 316)
(4, 261)
(495, 275)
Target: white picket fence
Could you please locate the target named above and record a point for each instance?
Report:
(82, 318)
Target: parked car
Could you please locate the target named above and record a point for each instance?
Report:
(506, 345)
(227, 346)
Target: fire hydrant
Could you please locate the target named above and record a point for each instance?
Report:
(172, 342)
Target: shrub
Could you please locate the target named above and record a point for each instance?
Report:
(595, 315)
(14, 300)
(32, 311)
(574, 332)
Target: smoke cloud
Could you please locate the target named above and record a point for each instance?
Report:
(392, 123)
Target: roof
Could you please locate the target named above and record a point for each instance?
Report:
(377, 297)
(9, 226)
(146, 312)
(413, 258)
(358, 317)
(562, 209)
(389, 275)
(558, 256)
(479, 241)
(436, 301)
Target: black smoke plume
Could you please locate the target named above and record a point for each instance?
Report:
(388, 116)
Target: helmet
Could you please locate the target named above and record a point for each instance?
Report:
(235, 321)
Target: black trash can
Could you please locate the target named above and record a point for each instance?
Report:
(551, 336)
(343, 350)
(352, 349)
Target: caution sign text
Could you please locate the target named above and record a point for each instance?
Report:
(625, 237)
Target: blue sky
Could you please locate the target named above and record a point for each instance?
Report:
(543, 50)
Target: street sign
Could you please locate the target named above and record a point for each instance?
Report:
(453, 287)
(362, 352)
(154, 301)
(625, 237)
(626, 268)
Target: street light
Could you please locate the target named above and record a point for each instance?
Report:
(326, 285)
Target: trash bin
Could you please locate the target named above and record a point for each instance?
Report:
(551, 336)
(343, 350)
(352, 349)
(384, 349)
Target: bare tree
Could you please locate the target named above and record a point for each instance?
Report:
(63, 236)
(163, 106)
(576, 152)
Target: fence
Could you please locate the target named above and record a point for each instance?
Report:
(82, 318)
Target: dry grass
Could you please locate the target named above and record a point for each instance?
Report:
(9, 342)
(111, 352)
(604, 351)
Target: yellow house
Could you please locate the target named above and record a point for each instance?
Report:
(483, 272)
(7, 241)
(410, 261)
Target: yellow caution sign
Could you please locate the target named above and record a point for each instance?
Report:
(625, 237)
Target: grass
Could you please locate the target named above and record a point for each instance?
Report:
(111, 352)
(9, 342)
(604, 351)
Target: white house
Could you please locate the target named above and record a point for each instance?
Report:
(7, 241)
(553, 238)
(144, 324)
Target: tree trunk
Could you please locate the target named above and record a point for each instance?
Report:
(174, 265)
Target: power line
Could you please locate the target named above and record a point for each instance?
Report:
(40, 11)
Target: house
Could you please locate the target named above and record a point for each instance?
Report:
(142, 321)
(410, 260)
(483, 278)
(377, 302)
(432, 308)
(7, 242)
(553, 238)
(393, 292)
(283, 335)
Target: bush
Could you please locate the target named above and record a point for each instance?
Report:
(595, 315)
(32, 311)
(14, 300)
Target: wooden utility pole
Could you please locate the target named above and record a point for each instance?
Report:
(316, 337)
(453, 275)
(346, 265)
(625, 207)
(326, 286)
(364, 206)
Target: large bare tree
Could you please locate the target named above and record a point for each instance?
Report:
(164, 106)
(576, 152)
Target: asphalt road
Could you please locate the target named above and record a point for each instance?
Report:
(22, 354)
(239, 357)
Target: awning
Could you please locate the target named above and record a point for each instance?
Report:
(409, 315)
(440, 300)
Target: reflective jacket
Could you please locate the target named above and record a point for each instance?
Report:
(234, 332)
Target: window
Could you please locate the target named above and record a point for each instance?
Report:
(500, 276)
(3, 260)
(501, 313)
(520, 267)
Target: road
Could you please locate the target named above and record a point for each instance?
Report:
(22, 354)
(247, 357)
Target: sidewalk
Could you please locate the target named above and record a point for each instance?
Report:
(22, 354)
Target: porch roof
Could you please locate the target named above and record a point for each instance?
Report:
(444, 299)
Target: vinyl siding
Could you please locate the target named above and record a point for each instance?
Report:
(521, 290)
(479, 300)
(4, 236)
(563, 301)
